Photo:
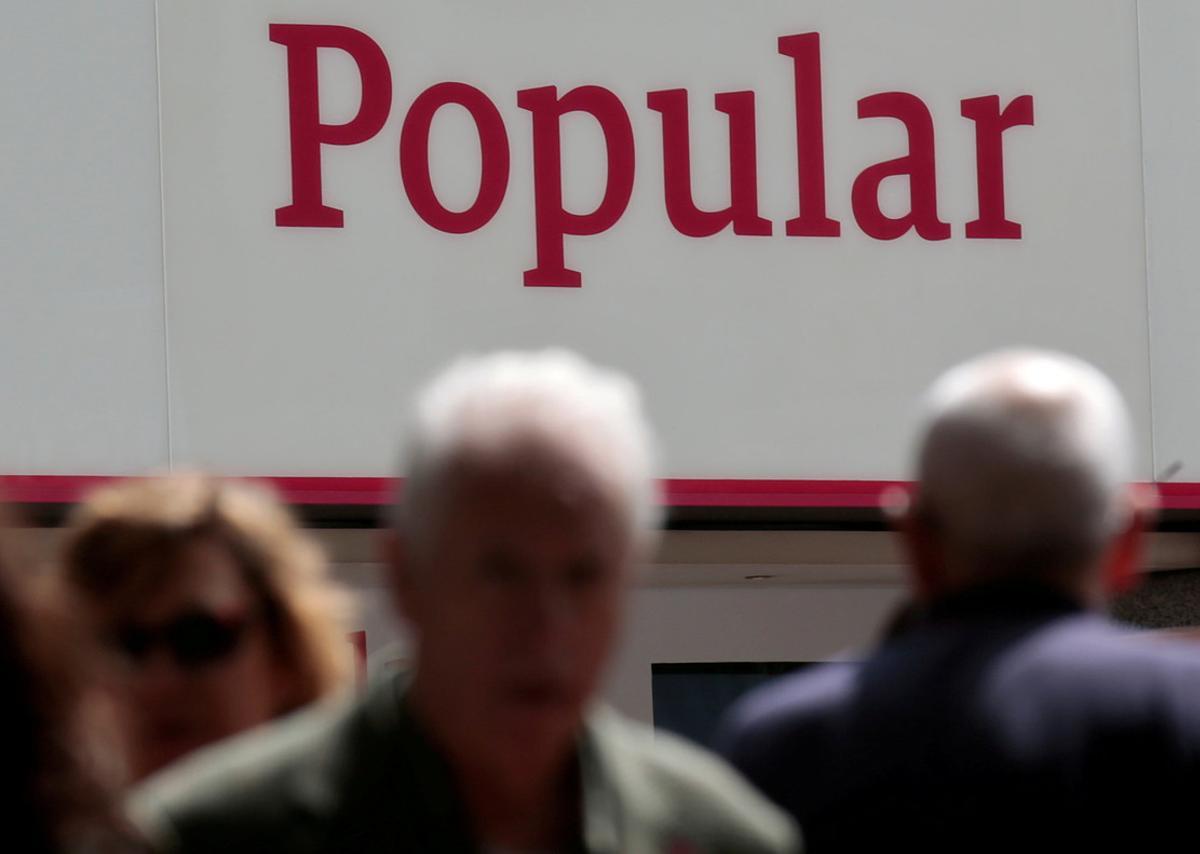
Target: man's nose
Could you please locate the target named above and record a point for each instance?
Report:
(549, 607)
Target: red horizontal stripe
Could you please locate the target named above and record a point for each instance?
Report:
(1179, 496)
(68, 489)
(375, 491)
(679, 492)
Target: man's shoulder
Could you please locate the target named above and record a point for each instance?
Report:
(681, 791)
(785, 705)
(1091, 661)
(251, 789)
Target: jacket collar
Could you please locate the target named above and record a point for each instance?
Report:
(440, 801)
(1003, 599)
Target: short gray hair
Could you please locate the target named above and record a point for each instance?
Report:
(550, 396)
(1024, 462)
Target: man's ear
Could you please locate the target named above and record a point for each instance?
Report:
(922, 554)
(1121, 571)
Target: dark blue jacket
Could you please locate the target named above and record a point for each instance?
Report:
(1003, 720)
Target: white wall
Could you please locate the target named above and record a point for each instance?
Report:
(772, 357)
(761, 357)
(1170, 82)
(83, 383)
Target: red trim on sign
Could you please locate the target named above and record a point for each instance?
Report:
(376, 491)
(68, 489)
(358, 491)
(48, 488)
(679, 492)
(1179, 496)
(686, 492)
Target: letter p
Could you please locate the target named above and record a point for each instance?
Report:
(308, 134)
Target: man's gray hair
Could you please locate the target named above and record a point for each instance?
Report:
(552, 398)
(1025, 463)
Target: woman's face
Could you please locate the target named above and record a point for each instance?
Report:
(196, 663)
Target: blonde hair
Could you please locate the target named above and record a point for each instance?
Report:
(125, 537)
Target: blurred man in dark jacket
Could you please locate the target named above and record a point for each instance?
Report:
(1011, 714)
(528, 502)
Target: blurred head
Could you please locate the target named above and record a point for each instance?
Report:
(528, 499)
(214, 611)
(1024, 468)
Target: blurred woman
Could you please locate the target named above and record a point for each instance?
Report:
(51, 798)
(214, 612)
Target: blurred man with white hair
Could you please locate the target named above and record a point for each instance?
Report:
(528, 501)
(1011, 715)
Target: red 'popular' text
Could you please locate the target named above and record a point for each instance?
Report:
(553, 223)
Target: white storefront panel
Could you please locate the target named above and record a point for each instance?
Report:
(293, 344)
(158, 319)
(83, 376)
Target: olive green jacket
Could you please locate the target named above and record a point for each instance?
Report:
(363, 778)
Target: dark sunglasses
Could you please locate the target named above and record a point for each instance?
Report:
(193, 639)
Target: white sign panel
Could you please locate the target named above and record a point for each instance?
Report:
(784, 219)
(83, 377)
(1171, 111)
